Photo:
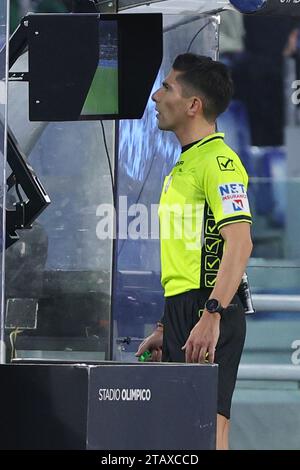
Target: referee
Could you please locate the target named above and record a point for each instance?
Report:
(204, 230)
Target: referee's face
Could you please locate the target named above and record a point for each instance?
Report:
(171, 106)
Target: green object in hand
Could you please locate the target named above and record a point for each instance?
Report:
(145, 356)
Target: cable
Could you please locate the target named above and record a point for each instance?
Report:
(109, 162)
(13, 338)
(198, 32)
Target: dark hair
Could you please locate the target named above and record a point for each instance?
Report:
(207, 78)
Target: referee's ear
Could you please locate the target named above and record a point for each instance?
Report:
(195, 107)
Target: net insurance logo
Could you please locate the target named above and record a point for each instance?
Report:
(234, 198)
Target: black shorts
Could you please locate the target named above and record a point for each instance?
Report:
(180, 316)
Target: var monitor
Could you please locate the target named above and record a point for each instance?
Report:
(91, 66)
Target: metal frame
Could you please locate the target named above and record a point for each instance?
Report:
(22, 174)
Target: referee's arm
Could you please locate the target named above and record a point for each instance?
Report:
(204, 336)
(238, 247)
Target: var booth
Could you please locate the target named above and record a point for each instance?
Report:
(108, 406)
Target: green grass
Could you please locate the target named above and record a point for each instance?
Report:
(103, 95)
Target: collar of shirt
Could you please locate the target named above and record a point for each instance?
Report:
(205, 140)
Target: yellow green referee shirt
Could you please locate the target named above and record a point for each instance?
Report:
(206, 190)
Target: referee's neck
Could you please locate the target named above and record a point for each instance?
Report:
(193, 133)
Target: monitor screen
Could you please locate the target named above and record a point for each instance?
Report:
(102, 97)
(92, 66)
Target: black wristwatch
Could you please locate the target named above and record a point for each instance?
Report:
(213, 306)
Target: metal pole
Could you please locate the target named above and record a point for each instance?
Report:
(5, 13)
(278, 372)
(276, 303)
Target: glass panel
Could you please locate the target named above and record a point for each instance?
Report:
(146, 155)
(58, 275)
(4, 7)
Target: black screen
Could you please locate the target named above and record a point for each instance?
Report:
(90, 66)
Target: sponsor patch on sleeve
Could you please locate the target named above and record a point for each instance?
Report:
(234, 198)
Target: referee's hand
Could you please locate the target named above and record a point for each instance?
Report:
(202, 341)
(152, 343)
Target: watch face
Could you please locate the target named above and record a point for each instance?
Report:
(212, 305)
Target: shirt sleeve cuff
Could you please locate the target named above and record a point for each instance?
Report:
(233, 220)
